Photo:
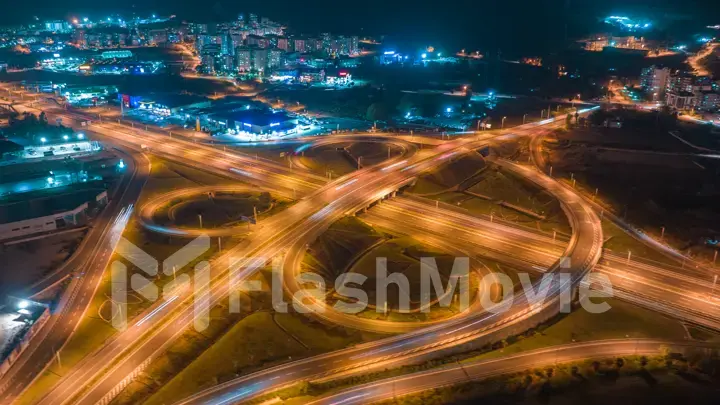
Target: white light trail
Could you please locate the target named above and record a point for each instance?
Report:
(156, 310)
(394, 165)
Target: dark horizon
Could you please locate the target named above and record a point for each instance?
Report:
(491, 26)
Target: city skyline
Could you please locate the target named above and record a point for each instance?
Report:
(494, 26)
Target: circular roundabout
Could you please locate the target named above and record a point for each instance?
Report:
(206, 210)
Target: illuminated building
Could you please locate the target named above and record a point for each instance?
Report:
(708, 101)
(702, 83)
(339, 77)
(227, 47)
(158, 37)
(208, 55)
(299, 45)
(58, 26)
(236, 39)
(112, 66)
(654, 81)
(682, 100)
(205, 40)
(87, 94)
(313, 44)
(282, 43)
(312, 76)
(165, 104)
(257, 40)
(255, 122)
(681, 82)
(353, 45)
(50, 213)
(259, 59)
(243, 58)
(274, 57)
(116, 54)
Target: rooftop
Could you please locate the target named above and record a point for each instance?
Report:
(255, 117)
(174, 100)
(45, 202)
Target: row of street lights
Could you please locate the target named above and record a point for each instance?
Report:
(43, 140)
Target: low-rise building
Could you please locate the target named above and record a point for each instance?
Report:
(682, 100)
(708, 101)
(172, 104)
(255, 121)
(49, 212)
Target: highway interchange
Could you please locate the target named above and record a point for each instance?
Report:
(321, 202)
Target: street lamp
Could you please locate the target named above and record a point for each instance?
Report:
(81, 136)
(43, 140)
(65, 137)
(503, 123)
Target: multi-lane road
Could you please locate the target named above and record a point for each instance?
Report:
(684, 292)
(326, 205)
(86, 266)
(391, 388)
(98, 378)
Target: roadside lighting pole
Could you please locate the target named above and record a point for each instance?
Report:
(502, 125)
(200, 218)
(524, 117)
(628, 259)
(57, 356)
(662, 232)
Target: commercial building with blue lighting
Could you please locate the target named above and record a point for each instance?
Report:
(256, 122)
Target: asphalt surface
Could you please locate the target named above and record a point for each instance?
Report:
(121, 358)
(87, 266)
(392, 388)
(373, 185)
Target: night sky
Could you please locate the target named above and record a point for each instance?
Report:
(504, 25)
